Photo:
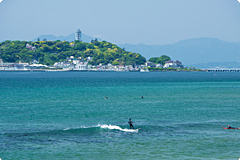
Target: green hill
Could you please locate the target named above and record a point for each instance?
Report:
(49, 52)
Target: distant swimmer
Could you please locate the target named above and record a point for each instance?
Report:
(106, 97)
(130, 122)
(229, 127)
(142, 97)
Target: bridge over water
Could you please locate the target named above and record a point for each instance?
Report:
(223, 70)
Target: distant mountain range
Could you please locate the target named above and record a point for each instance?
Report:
(70, 38)
(198, 52)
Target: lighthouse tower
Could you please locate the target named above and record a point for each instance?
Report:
(78, 35)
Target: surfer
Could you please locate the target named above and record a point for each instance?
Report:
(229, 127)
(130, 122)
(142, 97)
(106, 97)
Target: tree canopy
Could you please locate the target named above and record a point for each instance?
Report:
(49, 52)
(160, 60)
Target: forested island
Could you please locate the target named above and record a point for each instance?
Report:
(78, 55)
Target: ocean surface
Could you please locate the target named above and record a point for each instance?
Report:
(64, 115)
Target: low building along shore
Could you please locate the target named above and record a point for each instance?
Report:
(80, 64)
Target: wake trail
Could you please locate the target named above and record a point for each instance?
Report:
(119, 128)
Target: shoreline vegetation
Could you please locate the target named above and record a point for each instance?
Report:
(80, 56)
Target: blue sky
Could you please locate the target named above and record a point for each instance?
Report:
(152, 22)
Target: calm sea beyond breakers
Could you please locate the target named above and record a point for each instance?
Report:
(65, 115)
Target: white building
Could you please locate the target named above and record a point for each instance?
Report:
(150, 64)
(81, 66)
(70, 59)
(37, 66)
(75, 61)
(159, 65)
(30, 47)
(173, 64)
(89, 58)
(65, 64)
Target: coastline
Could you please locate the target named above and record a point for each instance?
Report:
(40, 70)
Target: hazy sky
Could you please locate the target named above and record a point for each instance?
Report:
(122, 21)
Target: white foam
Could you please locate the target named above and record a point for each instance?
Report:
(118, 128)
(106, 127)
(66, 129)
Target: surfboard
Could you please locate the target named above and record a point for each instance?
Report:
(136, 129)
(229, 128)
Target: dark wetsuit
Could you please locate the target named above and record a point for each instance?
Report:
(130, 123)
(231, 127)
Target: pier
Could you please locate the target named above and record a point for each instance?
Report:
(223, 70)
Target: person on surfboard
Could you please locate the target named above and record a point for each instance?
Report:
(130, 122)
(229, 127)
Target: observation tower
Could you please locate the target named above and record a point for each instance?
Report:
(78, 35)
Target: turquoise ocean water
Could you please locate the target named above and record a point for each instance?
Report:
(64, 115)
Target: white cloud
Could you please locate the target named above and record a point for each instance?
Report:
(2, 0)
(238, 1)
